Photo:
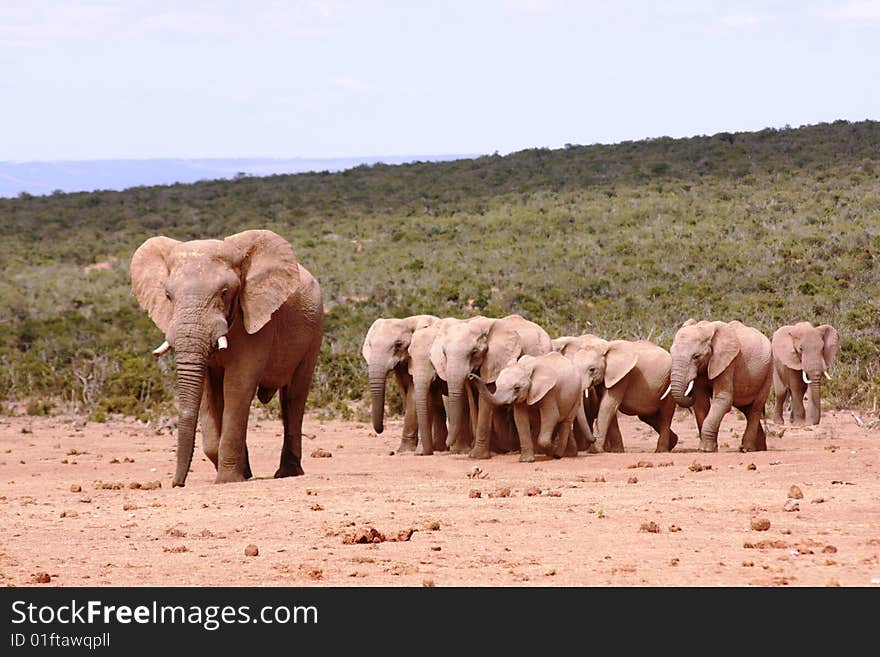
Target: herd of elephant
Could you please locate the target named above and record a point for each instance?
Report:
(244, 318)
(486, 384)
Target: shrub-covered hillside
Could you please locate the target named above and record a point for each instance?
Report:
(624, 240)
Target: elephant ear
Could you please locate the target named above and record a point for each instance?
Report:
(619, 361)
(438, 356)
(783, 348)
(366, 349)
(544, 377)
(689, 322)
(559, 344)
(269, 274)
(149, 270)
(832, 342)
(725, 347)
(503, 350)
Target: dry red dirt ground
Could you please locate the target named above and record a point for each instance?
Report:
(804, 513)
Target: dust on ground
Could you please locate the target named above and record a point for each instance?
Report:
(89, 504)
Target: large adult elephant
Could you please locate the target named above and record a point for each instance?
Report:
(633, 377)
(385, 349)
(482, 345)
(802, 354)
(243, 317)
(719, 365)
(428, 391)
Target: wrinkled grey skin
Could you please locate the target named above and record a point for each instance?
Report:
(428, 391)
(249, 290)
(484, 345)
(729, 365)
(386, 350)
(802, 354)
(545, 392)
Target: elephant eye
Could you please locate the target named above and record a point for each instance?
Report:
(224, 293)
(398, 343)
(696, 356)
(592, 370)
(168, 295)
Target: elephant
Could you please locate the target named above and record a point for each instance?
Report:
(568, 346)
(486, 345)
(717, 365)
(428, 390)
(633, 377)
(385, 350)
(546, 393)
(802, 354)
(243, 317)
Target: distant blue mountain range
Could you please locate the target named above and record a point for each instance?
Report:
(40, 178)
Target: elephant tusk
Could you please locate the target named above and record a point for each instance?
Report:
(161, 349)
(827, 375)
(668, 388)
(221, 342)
(689, 388)
(805, 377)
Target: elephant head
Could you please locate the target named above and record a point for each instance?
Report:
(812, 350)
(385, 348)
(604, 362)
(195, 292)
(700, 349)
(525, 382)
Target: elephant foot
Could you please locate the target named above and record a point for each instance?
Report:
(460, 448)
(777, 419)
(479, 453)
(407, 445)
(526, 458)
(440, 447)
(752, 447)
(424, 450)
(593, 449)
(229, 477)
(618, 449)
(666, 446)
(708, 446)
(292, 469)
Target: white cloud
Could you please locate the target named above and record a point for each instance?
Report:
(860, 13)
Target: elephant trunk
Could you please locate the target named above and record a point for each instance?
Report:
(681, 386)
(493, 398)
(190, 384)
(456, 410)
(378, 375)
(814, 400)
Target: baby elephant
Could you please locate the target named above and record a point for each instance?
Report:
(546, 393)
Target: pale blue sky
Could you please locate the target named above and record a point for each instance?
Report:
(91, 79)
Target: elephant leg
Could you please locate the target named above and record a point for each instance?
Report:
(798, 389)
(605, 441)
(524, 430)
(718, 408)
(485, 416)
(211, 414)
(409, 438)
(583, 435)
(780, 390)
(613, 438)
(293, 407)
(233, 434)
(701, 410)
(564, 440)
(438, 422)
(661, 422)
(465, 438)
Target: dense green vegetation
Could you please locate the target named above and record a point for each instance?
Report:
(624, 240)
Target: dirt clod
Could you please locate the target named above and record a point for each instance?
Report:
(251, 551)
(474, 492)
(696, 466)
(795, 493)
(503, 491)
(791, 505)
(42, 578)
(320, 453)
(650, 527)
(760, 524)
(434, 526)
(75, 488)
(632, 480)
(674, 528)
(751, 466)
(532, 491)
